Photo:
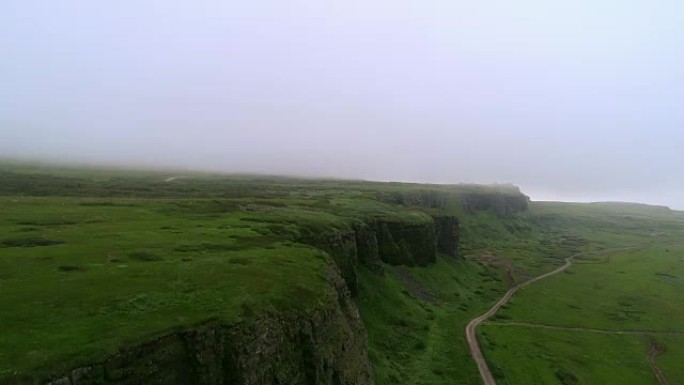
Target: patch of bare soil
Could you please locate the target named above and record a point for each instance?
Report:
(655, 349)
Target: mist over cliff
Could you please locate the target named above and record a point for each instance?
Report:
(439, 92)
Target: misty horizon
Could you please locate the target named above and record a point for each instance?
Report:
(569, 101)
(179, 172)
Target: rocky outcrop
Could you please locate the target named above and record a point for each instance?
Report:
(412, 242)
(448, 234)
(325, 345)
(341, 245)
(503, 204)
(367, 248)
(424, 198)
(406, 243)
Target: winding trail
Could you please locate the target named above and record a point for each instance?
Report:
(581, 329)
(654, 351)
(471, 329)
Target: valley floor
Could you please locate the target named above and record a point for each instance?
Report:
(612, 318)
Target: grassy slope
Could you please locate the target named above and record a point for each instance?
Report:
(670, 361)
(177, 253)
(532, 356)
(91, 261)
(419, 341)
(634, 289)
(127, 269)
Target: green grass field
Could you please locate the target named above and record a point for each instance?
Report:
(76, 272)
(527, 356)
(92, 261)
(670, 361)
(638, 289)
(416, 330)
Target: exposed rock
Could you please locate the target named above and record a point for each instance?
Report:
(448, 234)
(322, 345)
(406, 243)
(503, 204)
(341, 245)
(424, 198)
(327, 345)
(367, 248)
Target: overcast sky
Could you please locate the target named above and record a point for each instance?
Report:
(571, 100)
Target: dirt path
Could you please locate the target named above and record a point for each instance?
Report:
(171, 179)
(591, 330)
(471, 329)
(654, 351)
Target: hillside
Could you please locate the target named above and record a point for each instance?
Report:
(124, 277)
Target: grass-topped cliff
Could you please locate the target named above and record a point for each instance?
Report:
(126, 277)
(97, 263)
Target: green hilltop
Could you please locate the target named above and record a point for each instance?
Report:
(116, 276)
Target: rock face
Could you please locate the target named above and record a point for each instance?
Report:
(425, 198)
(322, 345)
(397, 242)
(341, 245)
(367, 248)
(503, 200)
(406, 243)
(318, 346)
(502, 204)
(448, 234)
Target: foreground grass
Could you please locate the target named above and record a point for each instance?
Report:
(639, 289)
(671, 358)
(82, 278)
(93, 261)
(415, 319)
(636, 290)
(519, 355)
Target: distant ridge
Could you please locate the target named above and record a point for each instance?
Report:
(632, 204)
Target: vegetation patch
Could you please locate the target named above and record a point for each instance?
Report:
(199, 247)
(48, 222)
(239, 261)
(29, 242)
(235, 243)
(665, 275)
(528, 355)
(70, 268)
(566, 377)
(145, 256)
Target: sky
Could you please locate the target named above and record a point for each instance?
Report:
(570, 100)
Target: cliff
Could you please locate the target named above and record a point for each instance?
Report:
(406, 243)
(503, 203)
(367, 247)
(324, 345)
(411, 241)
(211, 277)
(341, 245)
(448, 234)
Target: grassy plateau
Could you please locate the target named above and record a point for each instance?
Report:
(93, 260)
